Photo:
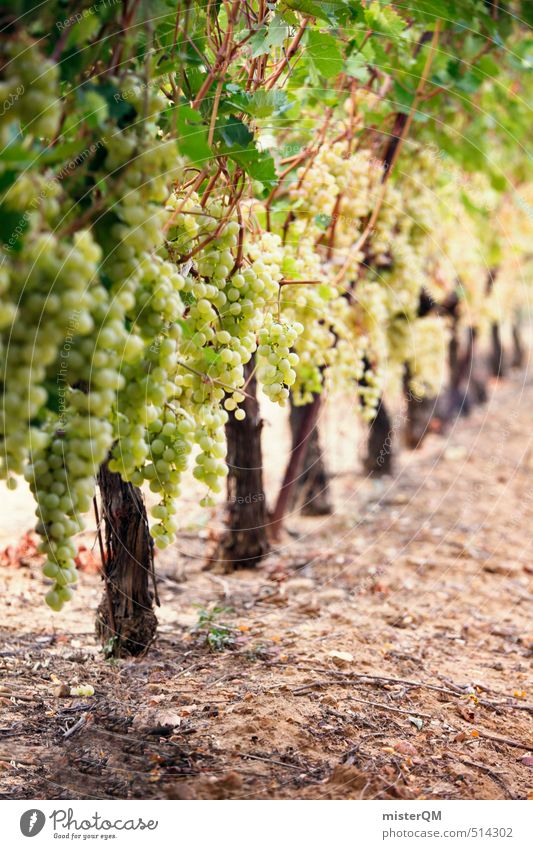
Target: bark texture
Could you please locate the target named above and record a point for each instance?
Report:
(244, 541)
(497, 360)
(419, 414)
(308, 423)
(519, 355)
(125, 622)
(379, 459)
(311, 492)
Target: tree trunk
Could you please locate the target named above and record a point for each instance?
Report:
(311, 491)
(518, 345)
(125, 622)
(244, 541)
(292, 470)
(378, 460)
(418, 414)
(497, 364)
(457, 396)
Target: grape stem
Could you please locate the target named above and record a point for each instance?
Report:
(207, 379)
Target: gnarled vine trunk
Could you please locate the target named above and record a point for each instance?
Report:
(244, 541)
(378, 460)
(519, 356)
(308, 423)
(125, 622)
(311, 492)
(419, 412)
(497, 361)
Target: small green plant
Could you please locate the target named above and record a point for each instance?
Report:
(110, 648)
(218, 635)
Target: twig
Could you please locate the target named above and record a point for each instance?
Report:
(9, 694)
(371, 679)
(213, 380)
(496, 776)
(382, 706)
(505, 741)
(224, 584)
(12, 759)
(76, 727)
(289, 53)
(268, 761)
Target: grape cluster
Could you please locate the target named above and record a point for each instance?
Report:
(276, 360)
(50, 282)
(429, 338)
(61, 478)
(29, 90)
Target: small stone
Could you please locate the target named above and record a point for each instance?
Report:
(404, 747)
(341, 658)
(299, 585)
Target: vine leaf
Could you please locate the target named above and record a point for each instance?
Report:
(333, 12)
(192, 135)
(384, 20)
(267, 38)
(261, 104)
(322, 49)
(238, 143)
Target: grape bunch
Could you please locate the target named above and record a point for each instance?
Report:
(29, 90)
(51, 285)
(276, 359)
(61, 477)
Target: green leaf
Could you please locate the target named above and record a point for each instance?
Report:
(498, 182)
(17, 156)
(265, 103)
(261, 104)
(237, 142)
(267, 38)
(13, 225)
(67, 152)
(322, 49)
(403, 97)
(258, 164)
(356, 67)
(234, 134)
(384, 20)
(334, 11)
(7, 178)
(192, 135)
(187, 327)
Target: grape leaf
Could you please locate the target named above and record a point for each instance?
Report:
(192, 135)
(266, 38)
(384, 20)
(356, 67)
(234, 134)
(13, 225)
(261, 104)
(237, 142)
(326, 56)
(333, 11)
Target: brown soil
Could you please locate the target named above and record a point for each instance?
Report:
(426, 579)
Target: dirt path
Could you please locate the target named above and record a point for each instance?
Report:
(427, 579)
